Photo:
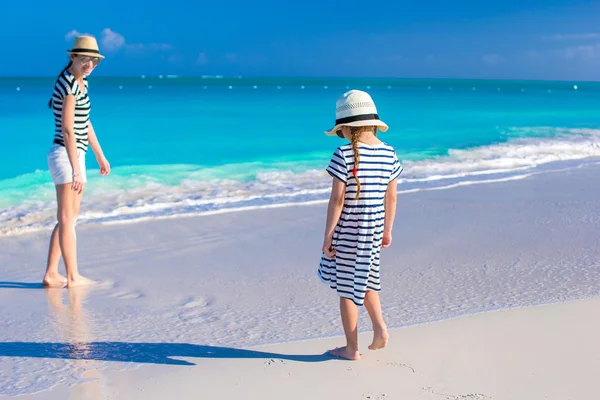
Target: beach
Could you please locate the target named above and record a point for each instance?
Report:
(544, 352)
(491, 290)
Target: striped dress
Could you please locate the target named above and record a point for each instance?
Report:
(359, 232)
(65, 85)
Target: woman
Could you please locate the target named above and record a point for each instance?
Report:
(66, 158)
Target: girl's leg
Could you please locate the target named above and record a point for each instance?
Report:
(349, 312)
(68, 209)
(52, 278)
(380, 333)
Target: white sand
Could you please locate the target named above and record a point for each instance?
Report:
(239, 280)
(546, 352)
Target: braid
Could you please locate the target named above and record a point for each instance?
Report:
(355, 132)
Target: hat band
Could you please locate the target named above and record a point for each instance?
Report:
(354, 118)
(84, 51)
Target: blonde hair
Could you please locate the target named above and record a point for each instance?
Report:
(355, 132)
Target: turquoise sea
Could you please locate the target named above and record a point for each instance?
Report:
(187, 146)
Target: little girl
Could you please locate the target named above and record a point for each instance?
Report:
(360, 216)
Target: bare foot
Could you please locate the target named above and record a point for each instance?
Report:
(79, 281)
(380, 340)
(344, 352)
(54, 281)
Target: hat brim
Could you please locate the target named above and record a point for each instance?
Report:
(370, 122)
(83, 53)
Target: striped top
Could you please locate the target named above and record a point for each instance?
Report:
(358, 234)
(378, 166)
(65, 85)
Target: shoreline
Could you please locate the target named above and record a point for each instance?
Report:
(316, 198)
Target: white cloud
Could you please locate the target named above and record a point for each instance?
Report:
(74, 33)
(492, 59)
(111, 41)
(582, 52)
(202, 59)
(578, 53)
(573, 36)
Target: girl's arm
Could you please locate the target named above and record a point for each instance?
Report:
(334, 210)
(68, 121)
(95, 145)
(391, 195)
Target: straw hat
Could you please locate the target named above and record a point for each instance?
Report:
(356, 108)
(85, 46)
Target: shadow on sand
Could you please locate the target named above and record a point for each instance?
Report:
(72, 324)
(141, 353)
(21, 285)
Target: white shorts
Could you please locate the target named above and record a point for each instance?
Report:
(60, 166)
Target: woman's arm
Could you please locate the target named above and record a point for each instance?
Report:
(68, 120)
(97, 149)
(93, 139)
(334, 210)
(391, 195)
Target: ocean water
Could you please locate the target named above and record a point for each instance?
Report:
(187, 146)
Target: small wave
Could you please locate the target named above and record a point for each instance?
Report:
(136, 193)
(515, 155)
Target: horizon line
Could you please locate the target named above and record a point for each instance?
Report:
(238, 77)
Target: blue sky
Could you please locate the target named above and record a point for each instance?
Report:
(526, 39)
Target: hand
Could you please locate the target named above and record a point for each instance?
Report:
(77, 184)
(387, 239)
(104, 166)
(328, 247)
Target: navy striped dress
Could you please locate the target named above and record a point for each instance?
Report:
(359, 232)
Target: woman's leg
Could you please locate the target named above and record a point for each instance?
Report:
(68, 211)
(349, 313)
(52, 278)
(380, 333)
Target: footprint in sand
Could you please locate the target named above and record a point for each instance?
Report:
(119, 294)
(199, 302)
(126, 295)
(375, 396)
(273, 361)
(103, 285)
(397, 364)
(193, 310)
(470, 396)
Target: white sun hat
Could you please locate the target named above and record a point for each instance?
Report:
(356, 108)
